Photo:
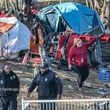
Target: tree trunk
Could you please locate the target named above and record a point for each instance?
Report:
(108, 9)
(6, 5)
(17, 4)
(108, 16)
(103, 8)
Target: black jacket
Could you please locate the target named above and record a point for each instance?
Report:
(2, 84)
(28, 2)
(49, 85)
(12, 83)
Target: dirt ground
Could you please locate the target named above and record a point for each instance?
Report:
(25, 74)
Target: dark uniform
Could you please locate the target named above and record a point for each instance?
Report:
(11, 87)
(2, 90)
(27, 4)
(49, 86)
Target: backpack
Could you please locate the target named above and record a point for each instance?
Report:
(95, 54)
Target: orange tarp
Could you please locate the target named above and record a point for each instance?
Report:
(5, 27)
(34, 48)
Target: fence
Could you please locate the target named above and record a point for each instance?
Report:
(80, 104)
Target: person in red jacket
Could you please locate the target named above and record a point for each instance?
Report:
(78, 58)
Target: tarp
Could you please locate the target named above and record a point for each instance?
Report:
(78, 17)
(5, 27)
(17, 38)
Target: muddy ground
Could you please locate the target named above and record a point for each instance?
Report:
(25, 74)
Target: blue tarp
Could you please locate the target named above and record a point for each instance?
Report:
(79, 17)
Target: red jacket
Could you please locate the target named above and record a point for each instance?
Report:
(76, 54)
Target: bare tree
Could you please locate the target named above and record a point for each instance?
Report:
(102, 7)
(6, 5)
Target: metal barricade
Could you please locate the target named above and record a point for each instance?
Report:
(77, 104)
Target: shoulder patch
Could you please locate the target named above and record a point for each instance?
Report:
(46, 79)
(11, 77)
(56, 76)
(14, 77)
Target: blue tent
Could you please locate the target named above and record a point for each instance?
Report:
(76, 16)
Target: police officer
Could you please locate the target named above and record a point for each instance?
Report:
(49, 86)
(11, 87)
(2, 90)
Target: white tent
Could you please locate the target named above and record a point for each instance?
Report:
(17, 38)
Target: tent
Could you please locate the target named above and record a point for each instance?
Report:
(71, 15)
(15, 35)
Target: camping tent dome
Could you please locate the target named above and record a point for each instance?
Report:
(78, 17)
(16, 38)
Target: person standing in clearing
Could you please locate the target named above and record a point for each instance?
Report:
(49, 87)
(11, 87)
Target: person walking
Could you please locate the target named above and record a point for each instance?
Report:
(11, 87)
(49, 86)
(78, 57)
